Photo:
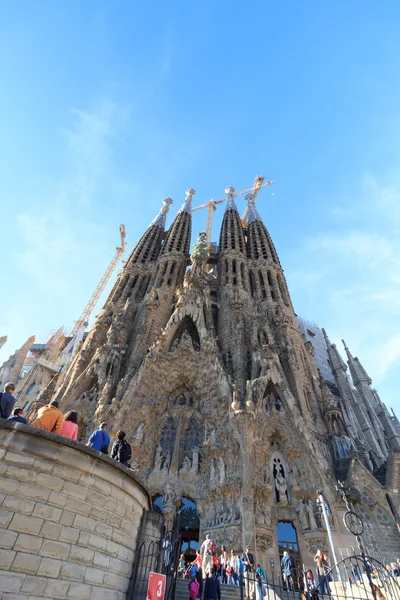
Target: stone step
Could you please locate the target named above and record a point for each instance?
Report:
(228, 592)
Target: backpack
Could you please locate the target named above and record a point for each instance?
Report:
(211, 547)
(124, 451)
(194, 589)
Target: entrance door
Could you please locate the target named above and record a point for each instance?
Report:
(189, 523)
(287, 541)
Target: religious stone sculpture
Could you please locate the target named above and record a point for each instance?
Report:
(311, 514)
(302, 511)
(186, 465)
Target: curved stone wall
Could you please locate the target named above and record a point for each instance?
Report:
(69, 518)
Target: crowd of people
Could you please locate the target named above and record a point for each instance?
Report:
(50, 418)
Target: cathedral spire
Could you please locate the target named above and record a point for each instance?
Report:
(252, 215)
(357, 371)
(230, 194)
(336, 360)
(259, 242)
(178, 236)
(162, 215)
(232, 236)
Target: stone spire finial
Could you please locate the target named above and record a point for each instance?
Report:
(3, 340)
(253, 213)
(187, 205)
(162, 215)
(357, 371)
(230, 194)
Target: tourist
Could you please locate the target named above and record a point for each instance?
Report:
(121, 450)
(194, 589)
(233, 569)
(70, 425)
(260, 588)
(240, 572)
(261, 572)
(224, 563)
(7, 400)
(207, 550)
(322, 570)
(100, 440)
(49, 418)
(248, 561)
(287, 566)
(198, 561)
(181, 564)
(311, 585)
(212, 588)
(18, 416)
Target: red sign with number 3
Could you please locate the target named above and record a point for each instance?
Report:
(156, 587)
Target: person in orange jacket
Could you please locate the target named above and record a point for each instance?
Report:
(49, 418)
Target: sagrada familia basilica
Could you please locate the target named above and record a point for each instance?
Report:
(201, 359)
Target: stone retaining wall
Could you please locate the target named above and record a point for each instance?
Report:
(69, 518)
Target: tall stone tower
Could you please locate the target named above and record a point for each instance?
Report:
(229, 418)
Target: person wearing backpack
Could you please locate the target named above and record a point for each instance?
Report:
(212, 588)
(100, 440)
(7, 400)
(121, 450)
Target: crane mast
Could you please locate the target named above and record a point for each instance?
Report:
(102, 283)
(211, 204)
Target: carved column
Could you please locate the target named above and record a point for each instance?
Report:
(243, 423)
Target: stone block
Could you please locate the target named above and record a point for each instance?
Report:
(50, 481)
(3, 468)
(34, 585)
(79, 591)
(5, 518)
(82, 508)
(73, 571)
(103, 594)
(19, 459)
(50, 513)
(18, 504)
(26, 524)
(119, 537)
(116, 565)
(50, 530)
(28, 543)
(34, 492)
(72, 457)
(7, 539)
(2, 453)
(67, 473)
(58, 499)
(114, 580)
(24, 475)
(103, 529)
(94, 576)
(115, 520)
(83, 538)
(75, 490)
(57, 589)
(69, 534)
(125, 554)
(86, 480)
(54, 549)
(84, 523)
(49, 567)
(103, 487)
(101, 560)
(81, 555)
(8, 486)
(6, 559)
(97, 498)
(99, 514)
(11, 582)
(97, 542)
(44, 466)
(112, 548)
(26, 563)
(67, 518)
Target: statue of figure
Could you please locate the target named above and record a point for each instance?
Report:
(311, 514)
(281, 486)
(199, 256)
(195, 461)
(157, 461)
(167, 461)
(212, 440)
(169, 498)
(212, 471)
(138, 436)
(221, 468)
(293, 474)
(302, 510)
(186, 464)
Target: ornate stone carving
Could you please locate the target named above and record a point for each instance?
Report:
(264, 541)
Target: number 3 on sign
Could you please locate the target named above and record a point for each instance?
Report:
(156, 586)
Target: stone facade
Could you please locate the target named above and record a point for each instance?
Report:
(69, 518)
(207, 370)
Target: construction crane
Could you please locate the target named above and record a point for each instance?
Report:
(211, 204)
(84, 318)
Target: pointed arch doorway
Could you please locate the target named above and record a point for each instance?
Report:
(189, 526)
(287, 541)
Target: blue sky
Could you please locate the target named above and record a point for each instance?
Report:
(107, 107)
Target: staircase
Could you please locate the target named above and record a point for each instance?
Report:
(228, 592)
